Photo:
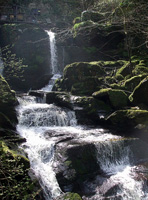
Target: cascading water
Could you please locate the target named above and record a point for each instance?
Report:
(34, 120)
(53, 62)
(113, 155)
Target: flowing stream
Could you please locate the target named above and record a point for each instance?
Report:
(113, 154)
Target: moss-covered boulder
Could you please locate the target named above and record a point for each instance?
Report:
(140, 93)
(129, 119)
(81, 78)
(132, 82)
(28, 53)
(8, 102)
(90, 110)
(62, 99)
(114, 97)
(15, 181)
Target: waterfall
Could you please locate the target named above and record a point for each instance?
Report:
(34, 120)
(116, 155)
(53, 62)
(53, 52)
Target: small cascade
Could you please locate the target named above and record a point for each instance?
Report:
(34, 120)
(116, 155)
(37, 115)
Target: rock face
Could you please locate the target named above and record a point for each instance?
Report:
(8, 102)
(29, 53)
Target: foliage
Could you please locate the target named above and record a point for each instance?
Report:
(13, 66)
(14, 180)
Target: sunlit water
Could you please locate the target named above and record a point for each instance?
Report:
(114, 157)
(53, 62)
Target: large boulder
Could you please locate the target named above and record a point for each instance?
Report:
(74, 164)
(28, 60)
(114, 97)
(81, 78)
(8, 102)
(129, 119)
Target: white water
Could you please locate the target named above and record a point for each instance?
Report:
(114, 156)
(53, 62)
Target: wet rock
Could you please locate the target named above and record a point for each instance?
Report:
(59, 98)
(75, 163)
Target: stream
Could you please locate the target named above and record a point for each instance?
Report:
(114, 155)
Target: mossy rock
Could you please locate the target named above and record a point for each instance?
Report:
(131, 118)
(59, 98)
(124, 70)
(92, 15)
(16, 183)
(85, 87)
(115, 98)
(140, 93)
(81, 78)
(131, 83)
(70, 196)
(140, 69)
(83, 69)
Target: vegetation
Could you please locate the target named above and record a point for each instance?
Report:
(15, 182)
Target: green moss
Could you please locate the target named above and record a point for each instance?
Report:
(71, 196)
(15, 182)
(116, 98)
(124, 70)
(131, 83)
(132, 118)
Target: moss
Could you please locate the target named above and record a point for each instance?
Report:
(119, 77)
(140, 69)
(132, 118)
(124, 70)
(15, 182)
(140, 94)
(70, 196)
(116, 86)
(77, 26)
(116, 98)
(131, 83)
